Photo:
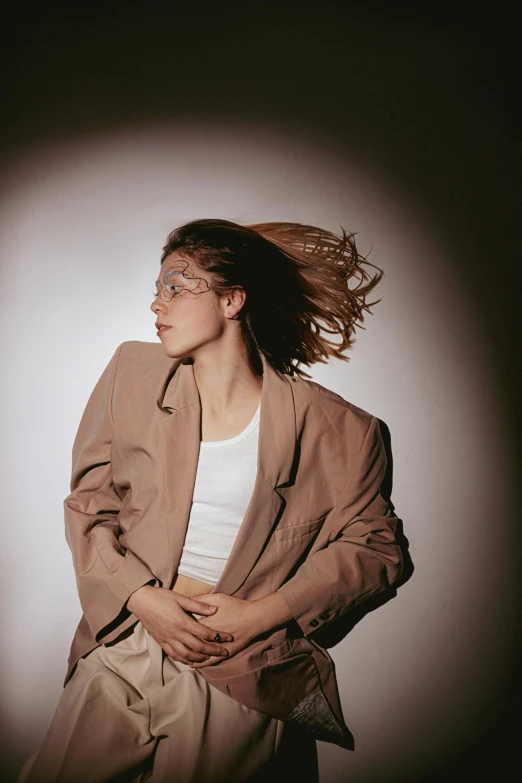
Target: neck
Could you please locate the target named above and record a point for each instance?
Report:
(226, 381)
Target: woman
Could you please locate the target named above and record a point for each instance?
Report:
(223, 512)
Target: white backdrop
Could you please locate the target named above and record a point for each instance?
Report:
(82, 229)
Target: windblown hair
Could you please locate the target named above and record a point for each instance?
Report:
(296, 279)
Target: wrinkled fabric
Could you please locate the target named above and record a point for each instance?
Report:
(130, 713)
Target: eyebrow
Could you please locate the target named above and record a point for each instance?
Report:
(169, 274)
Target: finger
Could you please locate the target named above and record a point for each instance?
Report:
(207, 598)
(202, 631)
(185, 650)
(190, 658)
(180, 651)
(195, 657)
(197, 645)
(190, 605)
(213, 660)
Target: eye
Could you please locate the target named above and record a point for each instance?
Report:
(174, 288)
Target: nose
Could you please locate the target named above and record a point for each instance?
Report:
(159, 306)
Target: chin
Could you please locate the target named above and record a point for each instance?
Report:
(176, 353)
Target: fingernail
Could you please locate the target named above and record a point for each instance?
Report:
(224, 652)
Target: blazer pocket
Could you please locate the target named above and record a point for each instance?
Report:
(299, 530)
(278, 651)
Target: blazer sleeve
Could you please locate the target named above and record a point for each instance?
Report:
(106, 573)
(362, 559)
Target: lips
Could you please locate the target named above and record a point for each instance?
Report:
(162, 327)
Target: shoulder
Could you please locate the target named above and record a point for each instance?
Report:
(143, 353)
(140, 367)
(330, 410)
(142, 359)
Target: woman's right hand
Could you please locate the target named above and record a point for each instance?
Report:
(164, 613)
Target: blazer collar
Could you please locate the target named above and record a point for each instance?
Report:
(180, 434)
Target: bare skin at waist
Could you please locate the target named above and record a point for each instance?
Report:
(189, 587)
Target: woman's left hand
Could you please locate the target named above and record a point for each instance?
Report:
(241, 619)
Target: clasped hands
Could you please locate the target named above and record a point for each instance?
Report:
(237, 621)
(167, 616)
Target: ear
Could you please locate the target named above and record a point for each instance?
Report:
(233, 301)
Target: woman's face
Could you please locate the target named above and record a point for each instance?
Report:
(186, 305)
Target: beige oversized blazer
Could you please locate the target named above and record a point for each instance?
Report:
(317, 528)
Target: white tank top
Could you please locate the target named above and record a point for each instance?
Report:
(225, 478)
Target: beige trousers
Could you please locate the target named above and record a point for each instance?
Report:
(130, 714)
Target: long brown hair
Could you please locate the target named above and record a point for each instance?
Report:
(296, 278)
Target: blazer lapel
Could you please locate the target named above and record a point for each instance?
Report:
(180, 439)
